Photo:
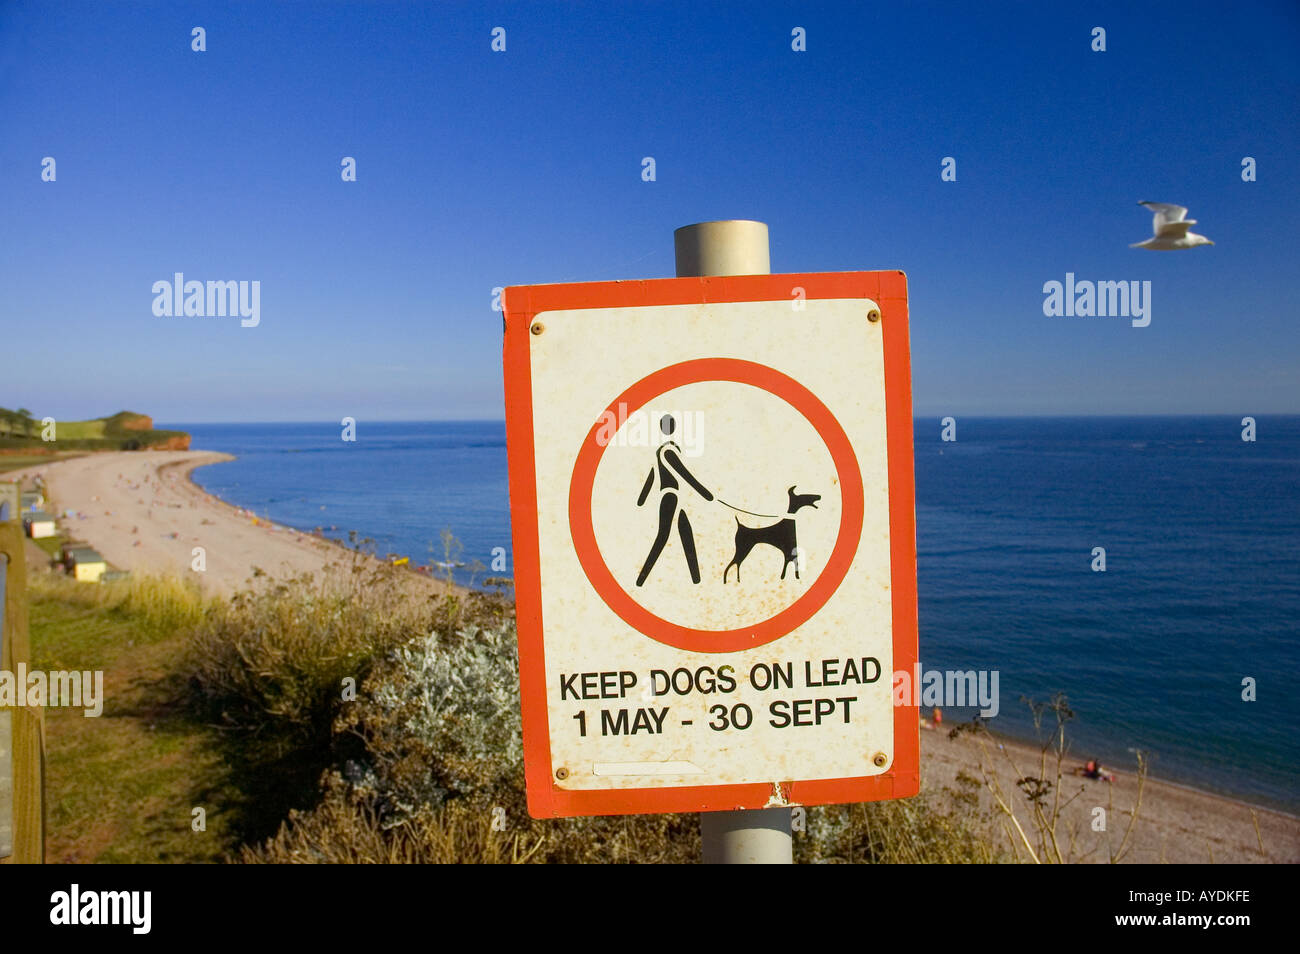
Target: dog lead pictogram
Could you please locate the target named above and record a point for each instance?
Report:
(668, 467)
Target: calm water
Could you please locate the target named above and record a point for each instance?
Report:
(1201, 588)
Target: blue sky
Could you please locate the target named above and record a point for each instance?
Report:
(478, 169)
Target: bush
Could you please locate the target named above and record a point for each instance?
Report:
(346, 829)
(272, 664)
(439, 719)
(440, 778)
(425, 762)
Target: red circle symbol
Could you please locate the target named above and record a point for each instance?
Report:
(794, 615)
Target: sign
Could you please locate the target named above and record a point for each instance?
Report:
(712, 504)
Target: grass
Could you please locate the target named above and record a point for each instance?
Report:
(223, 706)
(944, 827)
(79, 430)
(120, 788)
(10, 462)
(50, 545)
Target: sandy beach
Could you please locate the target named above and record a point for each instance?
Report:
(1176, 825)
(143, 513)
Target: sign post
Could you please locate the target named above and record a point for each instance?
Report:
(734, 247)
(714, 538)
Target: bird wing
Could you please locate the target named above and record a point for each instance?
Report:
(1173, 230)
(1165, 214)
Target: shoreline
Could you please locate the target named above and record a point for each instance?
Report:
(1109, 761)
(1180, 786)
(1031, 748)
(144, 513)
(1177, 824)
(185, 470)
(117, 495)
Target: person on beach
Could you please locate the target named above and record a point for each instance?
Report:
(1092, 769)
(670, 466)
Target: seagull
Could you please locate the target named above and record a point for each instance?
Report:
(1171, 226)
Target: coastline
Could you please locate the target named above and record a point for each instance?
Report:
(1178, 824)
(185, 471)
(145, 512)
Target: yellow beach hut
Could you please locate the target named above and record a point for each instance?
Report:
(87, 565)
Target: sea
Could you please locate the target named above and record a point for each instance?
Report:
(1184, 647)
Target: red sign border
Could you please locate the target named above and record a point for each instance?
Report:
(837, 564)
(522, 304)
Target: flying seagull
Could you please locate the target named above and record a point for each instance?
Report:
(1171, 224)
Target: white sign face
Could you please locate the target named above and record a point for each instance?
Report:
(712, 486)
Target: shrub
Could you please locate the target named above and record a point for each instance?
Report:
(346, 829)
(272, 664)
(440, 779)
(439, 719)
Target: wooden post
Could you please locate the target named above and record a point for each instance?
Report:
(23, 744)
(734, 247)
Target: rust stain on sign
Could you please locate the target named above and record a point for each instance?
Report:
(780, 795)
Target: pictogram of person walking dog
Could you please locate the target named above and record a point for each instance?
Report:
(669, 473)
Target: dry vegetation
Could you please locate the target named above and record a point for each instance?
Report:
(337, 719)
(1043, 835)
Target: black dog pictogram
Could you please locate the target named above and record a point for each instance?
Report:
(780, 535)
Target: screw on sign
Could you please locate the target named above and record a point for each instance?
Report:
(713, 511)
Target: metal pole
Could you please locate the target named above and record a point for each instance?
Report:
(734, 247)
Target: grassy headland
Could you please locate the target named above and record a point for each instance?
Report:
(23, 435)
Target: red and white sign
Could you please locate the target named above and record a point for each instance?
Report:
(713, 511)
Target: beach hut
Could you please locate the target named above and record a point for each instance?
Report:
(39, 524)
(87, 565)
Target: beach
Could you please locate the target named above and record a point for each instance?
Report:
(144, 514)
(1176, 824)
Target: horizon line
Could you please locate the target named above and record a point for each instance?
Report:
(915, 417)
